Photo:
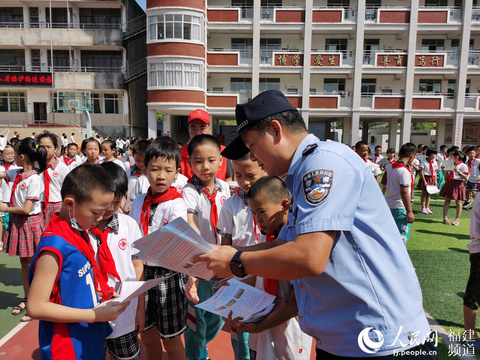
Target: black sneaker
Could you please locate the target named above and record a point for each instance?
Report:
(466, 203)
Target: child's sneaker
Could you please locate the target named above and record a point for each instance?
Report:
(466, 203)
(424, 211)
(429, 211)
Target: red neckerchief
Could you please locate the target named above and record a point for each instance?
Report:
(62, 228)
(7, 166)
(451, 175)
(398, 164)
(20, 176)
(53, 165)
(105, 259)
(270, 284)
(366, 161)
(375, 161)
(135, 171)
(170, 194)
(67, 160)
(213, 207)
(391, 161)
(255, 226)
(431, 168)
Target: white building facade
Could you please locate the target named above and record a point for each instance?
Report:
(65, 45)
(347, 61)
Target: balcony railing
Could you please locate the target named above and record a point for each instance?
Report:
(439, 14)
(476, 14)
(245, 55)
(46, 25)
(474, 57)
(348, 14)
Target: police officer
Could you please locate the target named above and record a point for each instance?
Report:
(356, 289)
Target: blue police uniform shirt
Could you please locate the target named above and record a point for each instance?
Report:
(368, 301)
(74, 287)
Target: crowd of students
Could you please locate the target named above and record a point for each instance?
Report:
(73, 219)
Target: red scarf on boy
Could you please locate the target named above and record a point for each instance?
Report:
(105, 258)
(170, 194)
(270, 284)
(398, 164)
(60, 227)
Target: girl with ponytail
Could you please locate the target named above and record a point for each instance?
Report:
(26, 221)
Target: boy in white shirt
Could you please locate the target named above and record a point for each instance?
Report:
(473, 180)
(165, 304)
(112, 241)
(400, 189)
(238, 227)
(204, 195)
(137, 180)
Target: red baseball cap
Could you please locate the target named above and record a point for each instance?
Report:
(200, 115)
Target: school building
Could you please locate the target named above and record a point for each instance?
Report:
(342, 63)
(50, 48)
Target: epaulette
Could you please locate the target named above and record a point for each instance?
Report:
(308, 150)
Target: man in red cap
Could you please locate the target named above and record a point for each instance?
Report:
(199, 123)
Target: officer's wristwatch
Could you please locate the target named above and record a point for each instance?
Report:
(236, 266)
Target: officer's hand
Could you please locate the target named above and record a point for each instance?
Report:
(218, 261)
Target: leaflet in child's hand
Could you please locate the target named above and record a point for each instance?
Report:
(129, 290)
(173, 247)
(243, 300)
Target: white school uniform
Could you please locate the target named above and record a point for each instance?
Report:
(285, 341)
(236, 222)
(374, 168)
(77, 160)
(397, 178)
(57, 174)
(31, 187)
(198, 203)
(137, 184)
(121, 247)
(377, 159)
(474, 171)
(463, 168)
(180, 182)
(116, 161)
(425, 166)
(7, 184)
(164, 213)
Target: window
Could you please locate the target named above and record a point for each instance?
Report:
(269, 84)
(452, 83)
(95, 18)
(436, 2)
(336, 86)
(368, 86)
(292, 91)
(336, 44)
(430, 86)
(246, 6)
(107, 103)
(370, 46)
(343, 3)
(61, 58)
(59, 17)
(175, 26)
(244, 45)
(11, 15)
(14, 58)
(433, 44)
(13, 101)
(102, 59)
(171, 74)
(241, 85)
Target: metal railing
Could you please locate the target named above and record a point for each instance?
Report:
(46, 25)
(246, 55)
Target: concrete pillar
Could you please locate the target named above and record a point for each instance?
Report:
(365, 131)
(152, 124)
(305, 115)
(347, 131)
(355, 127)
(406, 128)
(256, 49)
(392, 134)
(440, 132)
(457, 129)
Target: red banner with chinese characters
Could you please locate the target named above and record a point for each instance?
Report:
(25, 79)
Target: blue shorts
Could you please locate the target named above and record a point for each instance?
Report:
(400, 217)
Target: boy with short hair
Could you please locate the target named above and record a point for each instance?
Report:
(473, 180)
(137, 180)
(377, 156)
(165, 304)
(400, 185)
(362, 149)
(237, 226)
(112, 240)
(71, 157)
(64, 276)
(204, 195)
(278, 335)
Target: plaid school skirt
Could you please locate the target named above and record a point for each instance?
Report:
(430, 181)
(48, 212)
(453, 189)
(23, 234)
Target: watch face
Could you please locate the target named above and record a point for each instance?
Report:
(237, 269)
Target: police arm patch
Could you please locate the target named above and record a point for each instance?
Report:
(317, 185)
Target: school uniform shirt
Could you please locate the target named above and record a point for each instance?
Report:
(425, 166)
(71, 163)
(180, 182)
(456, 176)
(237, 222)
(198, 204)
(374, 168)
(376, 158)
(474, 168)
(137, 184)
(116, 161)
(124, 231)
(74, 287)
(285, 341)
(30, 187)
(6, 186)
(415, 162)
(397, 178)
(58, 171)
(369, 276)
(161, 214)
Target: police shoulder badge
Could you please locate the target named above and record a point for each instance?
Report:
(317, 185)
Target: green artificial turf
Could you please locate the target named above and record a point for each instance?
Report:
(441, 259)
